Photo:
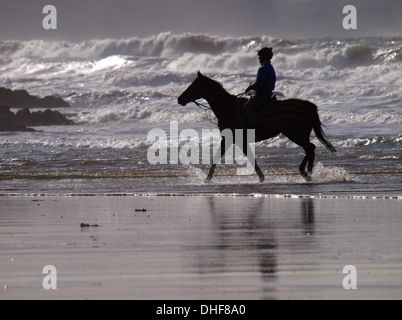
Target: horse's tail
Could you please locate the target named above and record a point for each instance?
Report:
(317, 126)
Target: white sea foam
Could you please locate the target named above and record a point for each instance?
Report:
(374, 117)
(378, 140)
(165, 63)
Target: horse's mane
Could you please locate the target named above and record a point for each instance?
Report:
(215, 84)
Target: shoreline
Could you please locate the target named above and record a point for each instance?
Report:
(199, 247)
(200, 194)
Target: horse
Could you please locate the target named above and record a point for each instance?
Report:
(294, 118)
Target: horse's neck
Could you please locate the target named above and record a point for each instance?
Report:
(221, 103)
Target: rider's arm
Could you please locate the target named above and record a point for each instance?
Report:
(261, 79)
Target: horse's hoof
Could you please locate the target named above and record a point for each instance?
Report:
(307, 178)
(262, 179)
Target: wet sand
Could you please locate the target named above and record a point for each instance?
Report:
(200, 247)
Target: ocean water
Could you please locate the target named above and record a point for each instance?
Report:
(122, 89)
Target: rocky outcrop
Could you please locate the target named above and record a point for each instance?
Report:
(22, 99)
(25, 117)
(7, 126)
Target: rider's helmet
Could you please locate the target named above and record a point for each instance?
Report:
(266, 53)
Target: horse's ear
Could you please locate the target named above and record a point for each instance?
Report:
(199, 73)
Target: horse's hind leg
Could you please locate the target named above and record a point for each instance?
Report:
(311, 157)
(308, 161)
(309, 148)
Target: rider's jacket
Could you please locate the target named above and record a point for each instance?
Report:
(266, 79)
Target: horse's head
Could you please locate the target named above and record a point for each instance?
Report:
(194, 91)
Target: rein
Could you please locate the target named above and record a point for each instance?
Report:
(202, 106)
(208, 108)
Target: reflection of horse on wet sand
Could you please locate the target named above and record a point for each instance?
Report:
(248, 238)
(294, 118)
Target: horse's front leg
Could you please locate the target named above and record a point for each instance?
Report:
(250, 154)
(259, 172)
(251, 159)
(211, 173)
(219, 155)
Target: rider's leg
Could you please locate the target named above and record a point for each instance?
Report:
(249, 111)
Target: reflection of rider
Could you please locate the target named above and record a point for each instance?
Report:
(264, 86)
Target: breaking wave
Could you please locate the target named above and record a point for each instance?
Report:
(167, 45)
(378, 140)
(162, 45)
(98, 72)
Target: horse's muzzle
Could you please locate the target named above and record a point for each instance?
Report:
(181, 102)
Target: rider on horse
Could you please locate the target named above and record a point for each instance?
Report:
(264, 87)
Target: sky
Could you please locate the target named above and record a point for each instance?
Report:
(97, 19)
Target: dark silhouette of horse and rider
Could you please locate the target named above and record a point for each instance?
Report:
(294, 118)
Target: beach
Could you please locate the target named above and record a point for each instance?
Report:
(200, 247)
(86, 212)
